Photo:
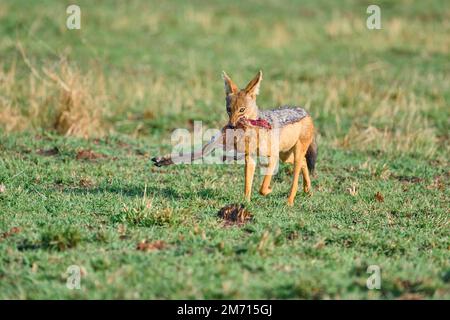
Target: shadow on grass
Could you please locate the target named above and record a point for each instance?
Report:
(167, 192)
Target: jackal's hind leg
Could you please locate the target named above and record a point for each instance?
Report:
(306, 179)
(299, 161)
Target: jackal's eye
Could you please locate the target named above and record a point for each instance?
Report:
(241, 110)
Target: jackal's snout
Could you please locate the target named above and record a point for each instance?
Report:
(234, 121)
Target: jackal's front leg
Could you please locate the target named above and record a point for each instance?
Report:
(265, 186)
(250, 166)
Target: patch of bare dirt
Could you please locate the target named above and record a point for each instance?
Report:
(147, 246)
(379, 197)
(89, 155)
(11, 232)
(411, 296)
(48, 152)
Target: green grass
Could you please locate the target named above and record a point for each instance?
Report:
(379, 100)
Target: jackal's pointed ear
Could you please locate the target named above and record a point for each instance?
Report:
(253, 86)
(230, 86)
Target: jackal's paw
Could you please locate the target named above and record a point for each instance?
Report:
(265, 192)
(290, 202)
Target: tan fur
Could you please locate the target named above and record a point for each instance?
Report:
(291, 143)
(293, 139)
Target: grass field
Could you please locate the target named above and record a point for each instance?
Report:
(83, 111)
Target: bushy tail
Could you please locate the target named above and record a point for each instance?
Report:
(311, 156)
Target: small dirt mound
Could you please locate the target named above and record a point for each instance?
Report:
(89, 155)
(144, 245)
(379, 197)
(11, 232)
(235, 214)
(48, 152)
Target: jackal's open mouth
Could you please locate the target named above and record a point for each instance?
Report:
(239, 124)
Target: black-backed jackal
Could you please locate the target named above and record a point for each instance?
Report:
(285, 134)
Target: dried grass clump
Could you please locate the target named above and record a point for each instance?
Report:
(59, 98)
(79, 109)
(396, 124)
(10, 118)
(387, 140)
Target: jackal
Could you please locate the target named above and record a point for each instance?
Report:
(285, 134)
